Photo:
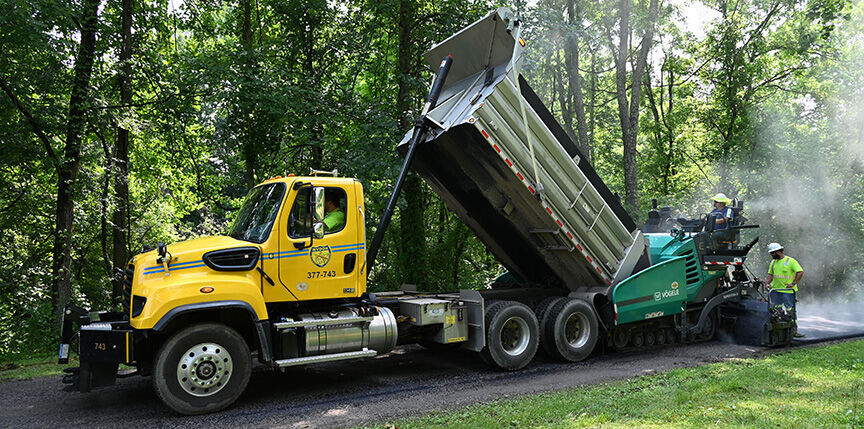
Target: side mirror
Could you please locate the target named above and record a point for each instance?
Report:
(318, 230)
(318, 204)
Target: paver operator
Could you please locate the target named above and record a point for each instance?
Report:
(723, 212)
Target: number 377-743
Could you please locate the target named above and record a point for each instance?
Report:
(320, 274)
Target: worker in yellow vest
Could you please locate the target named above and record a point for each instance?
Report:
(784, 274)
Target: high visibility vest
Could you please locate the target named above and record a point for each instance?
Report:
(784, 271)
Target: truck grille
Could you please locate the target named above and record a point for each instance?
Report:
(127, 288)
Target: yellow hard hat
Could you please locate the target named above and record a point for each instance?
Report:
(721, 198)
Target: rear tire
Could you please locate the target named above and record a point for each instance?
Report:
(542, 310)
(512, 335)
(202, 369)
(570, 330)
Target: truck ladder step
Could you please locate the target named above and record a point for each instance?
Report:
(325, 358)
(320, 322)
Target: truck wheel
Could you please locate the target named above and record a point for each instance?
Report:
(542, 310)
(512, 335)
(570, 331)
(202, 369)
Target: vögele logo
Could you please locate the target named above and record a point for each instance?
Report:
(666, 294)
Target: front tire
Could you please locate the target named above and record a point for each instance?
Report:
(202, 369)
(512, 335)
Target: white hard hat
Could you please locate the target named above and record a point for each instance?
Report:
(773, 247)
(721, 198)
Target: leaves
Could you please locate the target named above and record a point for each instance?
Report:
(765, 106)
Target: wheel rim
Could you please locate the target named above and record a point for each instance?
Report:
(204, 369)
(577, 330)
(515, 336)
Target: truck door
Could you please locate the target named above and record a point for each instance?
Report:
(328, 268)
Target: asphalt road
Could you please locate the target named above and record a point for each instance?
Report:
(406, 382)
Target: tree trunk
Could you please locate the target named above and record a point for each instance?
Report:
(564, 98)
(411, 219)
(67, 173)
(631, 200)
(658, 134)
(121, 150)
(628, 113)
(571, 58)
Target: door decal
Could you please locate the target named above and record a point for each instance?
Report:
(320, 255)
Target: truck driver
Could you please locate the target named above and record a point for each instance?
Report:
(334, 219)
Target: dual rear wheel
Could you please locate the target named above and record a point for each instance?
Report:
(566, 328)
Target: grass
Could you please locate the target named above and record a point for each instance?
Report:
(818, 387)
(39, 366)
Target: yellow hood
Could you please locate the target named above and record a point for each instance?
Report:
(186, 254)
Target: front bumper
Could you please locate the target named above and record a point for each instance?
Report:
(104, 340)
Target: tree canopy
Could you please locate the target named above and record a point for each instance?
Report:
(126, 123)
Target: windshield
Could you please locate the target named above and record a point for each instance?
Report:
(258, 213)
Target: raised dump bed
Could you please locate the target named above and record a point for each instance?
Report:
(500, 161)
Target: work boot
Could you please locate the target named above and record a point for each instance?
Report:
(796, 334)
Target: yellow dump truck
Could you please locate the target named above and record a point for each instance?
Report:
(287, 283)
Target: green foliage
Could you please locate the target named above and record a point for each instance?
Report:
(228, 94)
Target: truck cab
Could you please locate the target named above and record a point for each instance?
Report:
(269, 255)
(296, 247)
